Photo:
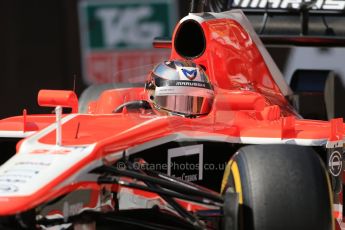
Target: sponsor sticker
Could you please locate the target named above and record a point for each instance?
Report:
(335, 163)
(177, 90)
(8, 188)
(29, 171)
(189, 73)
(118, 34)
(288, 4)
(186, 163)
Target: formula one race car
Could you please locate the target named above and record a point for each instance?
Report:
(209, 142)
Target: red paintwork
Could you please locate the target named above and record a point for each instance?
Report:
(32, 123)
(248, 104)
(234, 62)
(53, 98)
(110, 99)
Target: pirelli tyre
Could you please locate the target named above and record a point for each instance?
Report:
(281, 187)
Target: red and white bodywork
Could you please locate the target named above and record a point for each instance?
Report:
(250, 107)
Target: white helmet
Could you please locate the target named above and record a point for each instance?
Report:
(180, 87)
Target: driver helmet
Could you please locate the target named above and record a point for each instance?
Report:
(181, 88)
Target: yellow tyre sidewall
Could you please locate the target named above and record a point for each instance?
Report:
(232, 170)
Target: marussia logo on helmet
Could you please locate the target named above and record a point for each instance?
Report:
(190, 74)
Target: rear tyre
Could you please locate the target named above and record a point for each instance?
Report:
(279, 187)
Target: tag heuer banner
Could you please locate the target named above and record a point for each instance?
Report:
(117, 35)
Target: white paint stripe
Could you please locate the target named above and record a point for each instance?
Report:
(264, 140)
(335, 144)
(202, 136)
(37, 170)
(32, 141)
(16, 134)
(342, 226)
(128, 200)
(83, 175)
(193, 16)
(113, 157)
(337, 207)
(145, 123)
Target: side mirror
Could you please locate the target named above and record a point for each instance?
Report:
(54, 98)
